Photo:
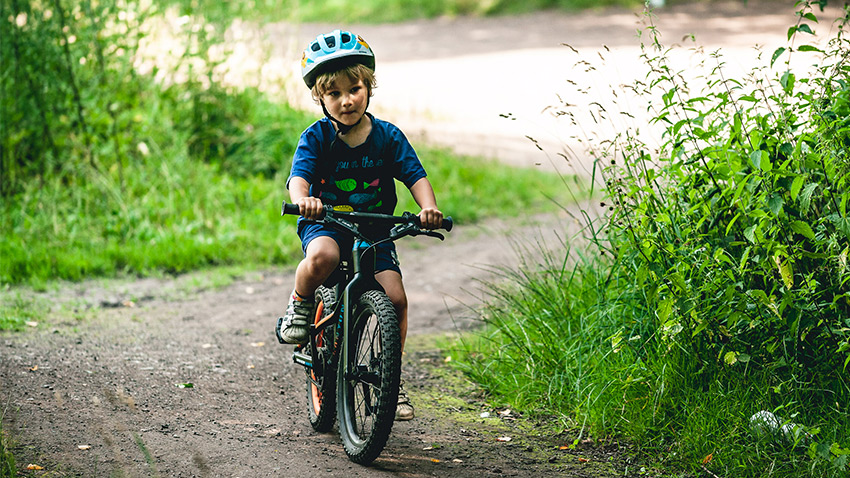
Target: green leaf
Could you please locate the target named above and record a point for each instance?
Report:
(792, 31)
(806, 196)
(785, 271)
(756, 158)
(787, 81)
(775, 204)
(759, 295)
(749, 233)
(805, 29)
(796, 186)
(730, 358)
(776, 55)
(732, 223)
(721, 256)
(803, 229)
(809, 48)
(744, 258)
(665, 308)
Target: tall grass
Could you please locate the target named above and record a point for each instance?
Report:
(177, 214)
(721, 290)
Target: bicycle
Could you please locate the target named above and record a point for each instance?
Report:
(353, 357)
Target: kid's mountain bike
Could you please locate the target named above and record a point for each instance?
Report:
(353, 357)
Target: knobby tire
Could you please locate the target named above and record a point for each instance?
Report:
(367, 398)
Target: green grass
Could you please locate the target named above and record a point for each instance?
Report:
(176, 214)
(8, 469)
(382, 11)
(715, 289)
(204, 188)
(17, 311)
(552, 346)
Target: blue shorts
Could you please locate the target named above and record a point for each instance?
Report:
(386, 257)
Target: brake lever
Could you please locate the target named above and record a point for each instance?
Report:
(422, 232)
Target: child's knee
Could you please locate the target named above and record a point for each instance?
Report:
(399, 300)
(323, 254)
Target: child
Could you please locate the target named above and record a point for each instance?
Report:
(349, 159)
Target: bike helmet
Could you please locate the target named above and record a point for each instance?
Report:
(334, 50)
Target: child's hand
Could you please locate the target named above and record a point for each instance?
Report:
(431, 218)
(310, 207)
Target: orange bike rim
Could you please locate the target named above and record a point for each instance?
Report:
(314, 390)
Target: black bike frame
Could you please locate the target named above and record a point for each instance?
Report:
(358, 275)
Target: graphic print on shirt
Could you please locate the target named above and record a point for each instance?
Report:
(347, 187)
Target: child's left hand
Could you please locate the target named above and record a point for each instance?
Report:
(431, 218)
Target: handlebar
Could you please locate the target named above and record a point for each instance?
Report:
(292, 209)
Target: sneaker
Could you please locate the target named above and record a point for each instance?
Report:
(404, 410)
(293, 327)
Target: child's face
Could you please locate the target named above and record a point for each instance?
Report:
(346, 100)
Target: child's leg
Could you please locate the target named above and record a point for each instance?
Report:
(322, 257)
(391, 281)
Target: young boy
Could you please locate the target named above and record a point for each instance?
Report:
(349, 159)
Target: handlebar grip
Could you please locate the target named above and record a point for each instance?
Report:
(447, 223)
(290, 209)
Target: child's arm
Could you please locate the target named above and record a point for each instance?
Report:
(299, 193)
(423, 194)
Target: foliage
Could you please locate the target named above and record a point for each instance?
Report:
(738, 234)
(725, 287)
(73, 105)
(378, 11)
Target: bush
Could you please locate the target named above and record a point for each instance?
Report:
(725, 288)
(738, 233)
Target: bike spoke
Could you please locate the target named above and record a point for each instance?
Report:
(366, 413)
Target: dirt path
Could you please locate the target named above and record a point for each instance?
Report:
(109, 383)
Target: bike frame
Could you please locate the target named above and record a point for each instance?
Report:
(357, 276)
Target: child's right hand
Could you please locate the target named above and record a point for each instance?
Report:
(310, 207)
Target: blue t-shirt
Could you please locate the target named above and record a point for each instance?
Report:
(362, 177)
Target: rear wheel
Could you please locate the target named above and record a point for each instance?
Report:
(321, 379)
(368, 392)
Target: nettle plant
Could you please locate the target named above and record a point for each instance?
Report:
(736, 231)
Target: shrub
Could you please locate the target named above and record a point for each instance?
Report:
(723, 285)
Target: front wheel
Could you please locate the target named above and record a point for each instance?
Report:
(368, 384)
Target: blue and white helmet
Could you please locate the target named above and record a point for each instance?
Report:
(334, 50)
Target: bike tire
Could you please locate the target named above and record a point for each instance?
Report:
(321, 388)
(368, 396)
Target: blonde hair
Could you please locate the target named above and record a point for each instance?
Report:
(353, 73)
